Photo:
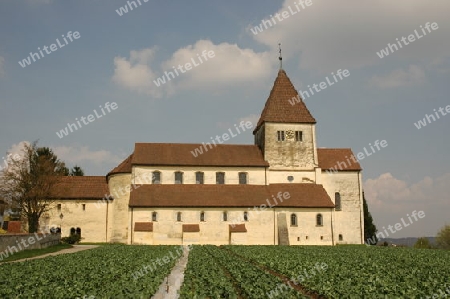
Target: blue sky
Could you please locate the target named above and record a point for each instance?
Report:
(117, 58)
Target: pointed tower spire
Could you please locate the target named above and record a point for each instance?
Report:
(280, 57)
(284, 104)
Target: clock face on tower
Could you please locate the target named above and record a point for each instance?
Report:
(289, 135)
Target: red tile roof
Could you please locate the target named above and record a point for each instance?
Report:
(279, 109)
(193, 195)
(191, 228)
(237, 228)
(124, 167)
(143, 227)
(81, 187)
(180, 154)
(337, 159)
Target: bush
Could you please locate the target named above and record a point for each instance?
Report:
(72, 239)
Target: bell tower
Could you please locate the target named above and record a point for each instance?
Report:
(285, 132)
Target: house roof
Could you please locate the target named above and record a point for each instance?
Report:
(191, 228)
(80, 187)
(199, 195)
(337, 159)
(278, 107)
(237, 228)
(123, 167)
(143, 227)
(183, 154)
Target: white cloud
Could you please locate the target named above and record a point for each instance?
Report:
(229, 66)
(76, 155)
(397, 78)
(135, 73)
(2, 65)
(330, 35)
(391, 199)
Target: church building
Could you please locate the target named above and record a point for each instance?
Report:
(280, 190)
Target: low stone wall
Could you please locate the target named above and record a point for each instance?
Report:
(14, 243)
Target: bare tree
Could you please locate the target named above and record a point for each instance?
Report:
(28, 182)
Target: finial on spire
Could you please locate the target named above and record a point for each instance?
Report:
(280, 58)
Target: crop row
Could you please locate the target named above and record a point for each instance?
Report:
(204, 277)
(103, 272)
(220, 269)
(357, 271)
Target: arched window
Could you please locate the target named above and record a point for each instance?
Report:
(337, 201)
(341, 238)
(202, 216)
(72, 230)
(156, 177)
(293, 220)
(225, 216)
(78, 232)
(319, 220)
(178, 177)
(245, 216)
(179, 216)
(154, 216)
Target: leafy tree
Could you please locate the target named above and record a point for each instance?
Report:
(76, 171)
(369, 228)
(28, 182)
(49, 155)
(443, 238)
(423, 243)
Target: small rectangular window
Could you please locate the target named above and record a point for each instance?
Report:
(220, 178)
(84, 207)
(280, 135)
(199, 178)
(337, 201)
(298, 136)
(59, 207)
(242, 178)
(178, 177)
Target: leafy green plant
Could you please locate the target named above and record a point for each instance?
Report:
(102, 272)
(72, 239)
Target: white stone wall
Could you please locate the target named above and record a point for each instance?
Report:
(143, 238)
(91, 221)
(307, 232)
(261, 226)
(143, 174)
(290, 154)
(349, 221)
(118, 217)
(281, 177)
(166, 230)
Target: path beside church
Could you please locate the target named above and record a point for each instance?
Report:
(74, 249)
(174, 280)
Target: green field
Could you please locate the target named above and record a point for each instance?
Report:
(234, 272)
(103, 272)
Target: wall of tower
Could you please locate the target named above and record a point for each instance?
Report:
(290, 154)
(118, 217)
